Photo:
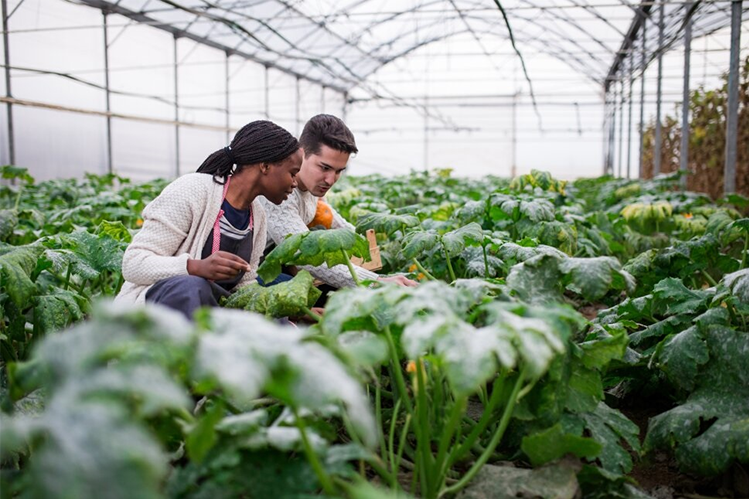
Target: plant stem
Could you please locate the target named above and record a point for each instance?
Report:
(314, 461)
(709, 278)
(479, 428)
(312, 315)
(425, 441)
(509, 408)
(397, 371)
(746, 251)
(18, 197)
(378, 419)
(351, 267)
(453, 423)
(402, 444)
(391, 443)
(449, 265)
(423, 270)
(486, 262)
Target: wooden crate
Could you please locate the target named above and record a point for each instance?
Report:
(375, 262)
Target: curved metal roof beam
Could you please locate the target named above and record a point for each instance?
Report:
(553, 53)
(529, 3)
(547, 48)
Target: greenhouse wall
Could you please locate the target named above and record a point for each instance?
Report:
(161, 126)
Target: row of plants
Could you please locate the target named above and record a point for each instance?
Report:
(544, 307)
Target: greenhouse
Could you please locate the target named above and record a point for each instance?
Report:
(374, 249)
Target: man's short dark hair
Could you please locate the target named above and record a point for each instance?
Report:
(325, 129)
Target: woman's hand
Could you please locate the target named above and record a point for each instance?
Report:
(220, 265)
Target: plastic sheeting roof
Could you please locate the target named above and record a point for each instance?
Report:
(340, 44)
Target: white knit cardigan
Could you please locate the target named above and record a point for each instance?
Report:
(175, 228)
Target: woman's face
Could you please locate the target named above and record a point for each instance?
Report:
(281, 178)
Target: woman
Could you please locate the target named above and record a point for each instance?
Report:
(204, 234)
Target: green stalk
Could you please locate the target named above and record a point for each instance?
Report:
(118, 286)
(486, 262)
(479, 428)
(378, 418)
(312, 315)
(18, 197)
(449, 265)
(402, 445)
(425, 441)
(709, 278)
(67, 276)
(423, 270)
(509, 408)
(314, 461)
(398, 372)
(746, 251)
(351, 267)
(453, 424)
(391, 443)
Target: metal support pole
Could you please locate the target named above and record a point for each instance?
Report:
(642, 98)
(6, 50)
(621, 126)
(732, 122)
(322, 99)
(267, 94)
(514, 138)
(684, 153)
(659, 93)
(426, 132)
(110, 167)
(226, 102)
(176, 110)
(612, 133)
(344, 108)
(629, 122)
(605, 131)
(297, 105)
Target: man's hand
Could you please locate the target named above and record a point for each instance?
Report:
(218, 266)
(399, 280)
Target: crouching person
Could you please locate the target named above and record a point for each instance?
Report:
(203, 236)
(327, 144)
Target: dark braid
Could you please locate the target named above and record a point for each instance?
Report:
(257, 142)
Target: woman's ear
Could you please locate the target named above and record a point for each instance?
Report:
(264, 168)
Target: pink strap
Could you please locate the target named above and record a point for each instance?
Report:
(217, 225)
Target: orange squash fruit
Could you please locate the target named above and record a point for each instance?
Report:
(323, 215)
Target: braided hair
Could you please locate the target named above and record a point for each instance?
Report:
(257, 142)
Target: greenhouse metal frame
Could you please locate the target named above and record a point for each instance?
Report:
(325, 50)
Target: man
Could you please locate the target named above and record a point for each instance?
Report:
(327, 143)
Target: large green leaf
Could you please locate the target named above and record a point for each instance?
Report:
(314, 248)
(57, 308)
(680, 356)
(456, 240)
(594, 277)
(16, 266)
(738, 283)
(671, 297)
(385, 222)
(247, 355)
(536, 280)
(609, 427)
(711, 429)
(418, 242)
(8, 222)
(553, 443)
(287, 299)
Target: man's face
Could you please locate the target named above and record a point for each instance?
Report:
(320, 171)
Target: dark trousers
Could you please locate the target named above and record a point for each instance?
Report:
(186, 293)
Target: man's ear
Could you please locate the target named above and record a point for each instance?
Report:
(264, 168)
